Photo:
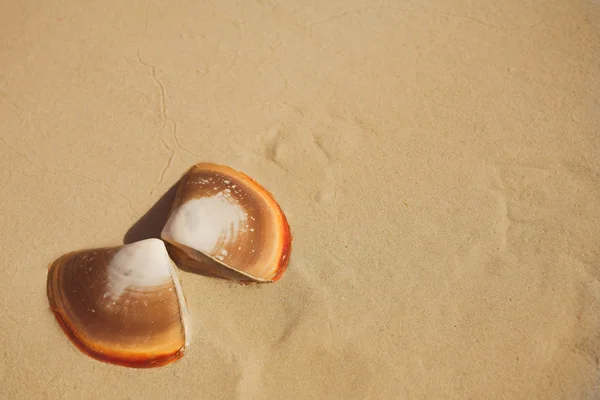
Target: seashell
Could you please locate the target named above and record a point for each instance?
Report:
(224, 223)
(123, 305)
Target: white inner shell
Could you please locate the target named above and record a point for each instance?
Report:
(142, 264)
(207, 224)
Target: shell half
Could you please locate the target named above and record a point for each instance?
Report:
(122, 305)
(224, 223)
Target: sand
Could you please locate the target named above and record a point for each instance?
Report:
(438, 162)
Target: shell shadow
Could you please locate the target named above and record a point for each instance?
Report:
(151, 224)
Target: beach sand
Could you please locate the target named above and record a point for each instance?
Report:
(438, 162)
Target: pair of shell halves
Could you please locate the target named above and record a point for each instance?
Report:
(125, 304)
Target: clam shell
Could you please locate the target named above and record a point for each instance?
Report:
(122, 305)
(224, 223)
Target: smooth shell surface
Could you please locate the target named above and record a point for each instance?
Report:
(122, 305)
(225, 216)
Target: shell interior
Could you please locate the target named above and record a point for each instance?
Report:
(122, 305)
(225, 215)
